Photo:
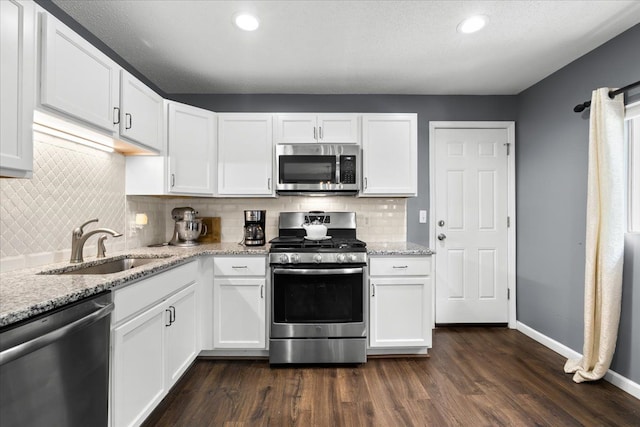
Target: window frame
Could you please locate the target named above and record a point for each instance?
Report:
(632, 140)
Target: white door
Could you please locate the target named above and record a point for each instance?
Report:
(400, 312)
(181, 339)
(296, 129)
(245, 154)
(338, 128)
(471, 223)
(239, 313)
(191, 149)
(141, 113)
(389, 155)
(17, 84)
(138, 367)
(77, 79)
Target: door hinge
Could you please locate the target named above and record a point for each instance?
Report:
(508, 144)
(508, 294)
(508, 221)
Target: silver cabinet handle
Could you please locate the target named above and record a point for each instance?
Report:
(373, 289)
(239, 266)
(127, 115)
(442, 236)
(400, 266)
(168, 311)
(262, 291)
(365, 182)
(268, 183)
(116, 115)
(321, 137)
(173, 179)
(315, 133)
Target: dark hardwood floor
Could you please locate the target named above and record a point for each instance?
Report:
(475, 376)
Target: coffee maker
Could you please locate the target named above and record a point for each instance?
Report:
(254, 228)
(187, 228)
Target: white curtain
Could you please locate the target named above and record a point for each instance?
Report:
(604, 238)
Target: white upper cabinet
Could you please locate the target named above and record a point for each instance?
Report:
(17, 83)
(317, 128)
(76, 78)
(390, 155)
(245, 155)
(79, 82)
(191, 148)
(140, 113)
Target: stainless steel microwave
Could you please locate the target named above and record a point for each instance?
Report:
(318, 168)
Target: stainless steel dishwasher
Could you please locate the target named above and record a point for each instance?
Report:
(54, 370)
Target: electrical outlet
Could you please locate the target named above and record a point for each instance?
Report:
(423, 217)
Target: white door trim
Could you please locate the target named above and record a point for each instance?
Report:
(509, 126)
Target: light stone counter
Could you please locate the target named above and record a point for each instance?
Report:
(397, 248)
(25, 293)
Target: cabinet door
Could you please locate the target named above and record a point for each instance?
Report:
(17, 83)
(181, 339)
(76, 78)
(400, 312)
(338, 128)
(296, 129)
(138, 382)
(191, 149)
(245, 155)
(239, 313)
(390, 155)
(141, 117)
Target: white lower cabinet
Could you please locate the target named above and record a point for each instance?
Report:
(400, 302)
(239, 302)
(154, 341)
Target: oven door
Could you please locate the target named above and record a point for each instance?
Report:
(317, 302)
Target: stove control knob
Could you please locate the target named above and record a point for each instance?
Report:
(317, 258)
(353, 257)
(340, 258)
(295, 258)
(284, 259)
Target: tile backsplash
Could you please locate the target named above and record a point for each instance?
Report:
(378, 219)
(72, 184)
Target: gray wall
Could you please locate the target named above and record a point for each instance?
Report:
(428, 108)
(552, 152)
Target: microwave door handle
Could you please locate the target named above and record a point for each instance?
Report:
(327, 271)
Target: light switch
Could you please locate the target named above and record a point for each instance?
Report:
(423, 217)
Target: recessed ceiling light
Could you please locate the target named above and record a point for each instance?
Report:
(246, 22)
(472, 24)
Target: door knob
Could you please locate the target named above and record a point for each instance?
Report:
(441, 236)
(441, 223)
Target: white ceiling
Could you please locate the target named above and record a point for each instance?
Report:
(351, 47)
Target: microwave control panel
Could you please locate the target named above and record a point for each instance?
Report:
(348, 169)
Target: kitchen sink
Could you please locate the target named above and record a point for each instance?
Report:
(108, 267)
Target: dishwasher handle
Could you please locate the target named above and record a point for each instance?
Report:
(30, 346)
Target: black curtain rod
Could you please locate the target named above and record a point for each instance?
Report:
(612, 94)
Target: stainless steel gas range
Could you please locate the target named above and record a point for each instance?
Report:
(318, 291)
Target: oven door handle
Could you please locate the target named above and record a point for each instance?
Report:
(294, 271)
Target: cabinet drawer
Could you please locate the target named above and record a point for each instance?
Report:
(138, 296)
(239, 266)
(400, 266)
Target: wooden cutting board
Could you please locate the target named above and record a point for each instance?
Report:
(213, 230)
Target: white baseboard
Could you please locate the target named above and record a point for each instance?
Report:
(614, 378)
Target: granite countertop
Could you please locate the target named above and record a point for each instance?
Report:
(397, 248)
(25, 293)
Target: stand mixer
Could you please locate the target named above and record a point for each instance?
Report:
(187, 228)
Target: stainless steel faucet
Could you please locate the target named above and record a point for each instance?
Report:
(78, 238)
